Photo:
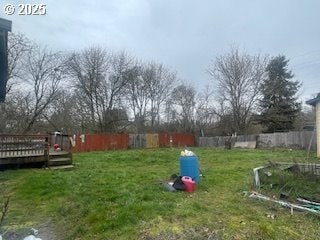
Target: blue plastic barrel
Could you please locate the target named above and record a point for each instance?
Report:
(189, 166)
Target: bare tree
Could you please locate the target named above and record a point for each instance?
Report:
(42, 74)
(98, 79)
(64, 114)
(206, 110)
(115, 113)
(18, 46)
(183, 101)
(88, 71)
(238, 76)
(160, 82)
(138, 96)
(18, 111)
(149, 87)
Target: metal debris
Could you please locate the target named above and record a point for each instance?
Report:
(256, 176)
(308, 202)
(31, 237)
(255, 195)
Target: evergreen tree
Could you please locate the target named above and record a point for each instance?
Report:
(279, 105)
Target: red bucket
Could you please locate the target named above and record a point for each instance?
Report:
(189, 183)
(55, 146)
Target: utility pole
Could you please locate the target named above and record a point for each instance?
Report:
(5, 27)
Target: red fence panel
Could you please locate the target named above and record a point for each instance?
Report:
(176, 140)
(103, 142)
(99, 142)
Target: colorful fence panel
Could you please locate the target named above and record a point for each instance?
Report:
(152, 140)
(99, 142)
(103, 142)
(137, 141)
(176, 140)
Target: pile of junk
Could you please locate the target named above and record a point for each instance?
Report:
(189, 175)
(290, 185)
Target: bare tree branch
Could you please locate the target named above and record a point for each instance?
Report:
(239, 76)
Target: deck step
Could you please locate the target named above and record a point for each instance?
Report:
(64, 167)
(59, 161)
(58, 153)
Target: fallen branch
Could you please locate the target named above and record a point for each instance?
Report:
(4, 209)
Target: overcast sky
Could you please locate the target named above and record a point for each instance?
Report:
(185, 35)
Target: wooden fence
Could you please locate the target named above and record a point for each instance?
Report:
(102, 142)
(63, 140)
(99, 142)
(176, 140)
(266, 140)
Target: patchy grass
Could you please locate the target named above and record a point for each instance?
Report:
(291, 183)
(116, 195)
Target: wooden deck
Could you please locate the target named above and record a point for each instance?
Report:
(24, 149)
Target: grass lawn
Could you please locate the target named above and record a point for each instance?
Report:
(116, 195)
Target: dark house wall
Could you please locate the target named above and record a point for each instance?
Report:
(3, 64)
(5, 26)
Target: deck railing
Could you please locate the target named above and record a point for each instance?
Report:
(23, 145)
